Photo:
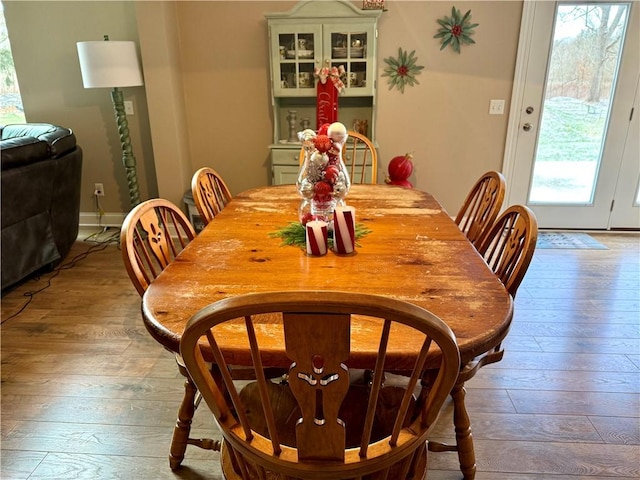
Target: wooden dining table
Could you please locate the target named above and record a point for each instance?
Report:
(413, 251)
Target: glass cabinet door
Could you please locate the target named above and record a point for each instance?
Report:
(299, 51)
(352, 47)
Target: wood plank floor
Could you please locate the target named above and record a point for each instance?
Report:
(87, 394)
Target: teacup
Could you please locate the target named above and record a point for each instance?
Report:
(305, 79)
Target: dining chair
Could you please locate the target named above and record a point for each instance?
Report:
(152, 235)
(360, 158)
(508, 248)
(330, 428)
(210, 193)
(481, 207)
(509, 245)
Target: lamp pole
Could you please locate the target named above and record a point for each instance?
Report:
(128, 159)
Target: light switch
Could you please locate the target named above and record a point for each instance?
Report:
(496, 107)
(128, 107)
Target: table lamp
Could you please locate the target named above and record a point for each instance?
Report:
(114, 64)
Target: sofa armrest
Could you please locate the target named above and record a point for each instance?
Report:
(21, 151)
(61, 140)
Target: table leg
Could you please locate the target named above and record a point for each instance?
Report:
(183, 424)
(464, 438)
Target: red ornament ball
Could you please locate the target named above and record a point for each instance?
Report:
(400, 169)
(322, 191)
(322, 143)
(307, 217)
(324, 129)
(401, 183)
(331, 174)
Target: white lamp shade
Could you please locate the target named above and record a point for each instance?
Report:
(109, 64)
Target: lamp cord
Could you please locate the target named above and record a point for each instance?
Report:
(98, 246)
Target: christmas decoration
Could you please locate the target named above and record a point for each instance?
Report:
(323, 181)
(373, 5)
(317, 238)
(295, 235)
(400, 169)
(402, 70)
(456, 30)
(344, 230)
(327, 93)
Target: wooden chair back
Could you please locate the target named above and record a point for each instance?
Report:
(481, 207)
(359, 156)
(509, 245)
(152, 235)
(318, 436)
(210, 193)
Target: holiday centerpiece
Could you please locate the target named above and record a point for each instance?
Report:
(323, 181)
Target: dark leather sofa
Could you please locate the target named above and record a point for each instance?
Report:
(40, 181)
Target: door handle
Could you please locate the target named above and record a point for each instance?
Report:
(526, 127)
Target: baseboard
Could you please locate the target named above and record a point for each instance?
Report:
(109, 219)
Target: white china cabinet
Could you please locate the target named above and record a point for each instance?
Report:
(313, 35)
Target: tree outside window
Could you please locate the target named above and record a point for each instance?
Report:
(11, 110)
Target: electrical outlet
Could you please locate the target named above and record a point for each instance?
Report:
(98, 190)
(128, 107)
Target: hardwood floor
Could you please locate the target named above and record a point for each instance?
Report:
(87, 394)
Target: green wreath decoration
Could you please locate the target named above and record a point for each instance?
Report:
(402, 70)
(456, 30)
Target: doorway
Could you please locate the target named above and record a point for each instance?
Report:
(572, 146)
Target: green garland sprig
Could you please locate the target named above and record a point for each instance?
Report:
(295, 234)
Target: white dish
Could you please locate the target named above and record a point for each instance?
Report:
(339, 52)
(301, 54)
(357, 52)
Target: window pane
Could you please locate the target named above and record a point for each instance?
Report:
(11, 110)
(581, 80)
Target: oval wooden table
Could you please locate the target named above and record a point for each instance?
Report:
(414, 252)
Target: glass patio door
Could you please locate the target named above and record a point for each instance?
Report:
(576, 125)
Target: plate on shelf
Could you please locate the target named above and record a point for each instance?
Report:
(301, 54)
(339, 52)
(357, 52)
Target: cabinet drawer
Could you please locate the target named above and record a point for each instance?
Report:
(286, 156)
